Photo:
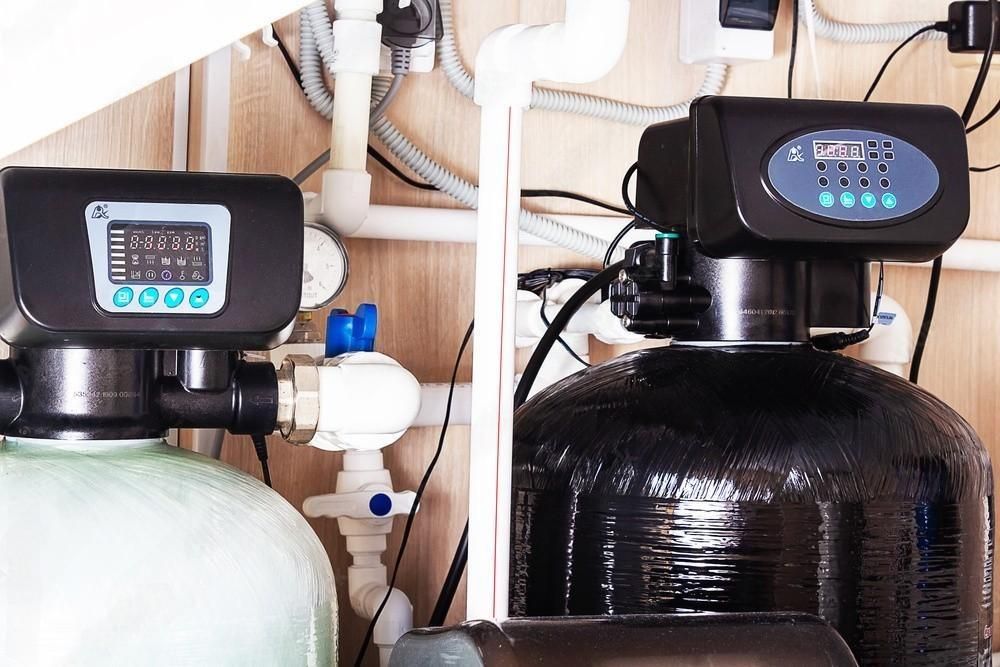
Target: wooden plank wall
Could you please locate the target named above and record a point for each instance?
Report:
(424, 291)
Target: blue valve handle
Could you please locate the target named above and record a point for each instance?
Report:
(351, 333)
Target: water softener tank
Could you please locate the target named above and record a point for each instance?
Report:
(750, 479)
(131, 552)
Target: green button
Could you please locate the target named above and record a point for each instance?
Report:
(868, 200)
(198, 298)
(123, 297)
(889, 200)
(148, 297)
(174, 297)
(826, 199)
(847, 200)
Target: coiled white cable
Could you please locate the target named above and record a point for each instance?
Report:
(316, 21)
(576, 103)
(858, 33)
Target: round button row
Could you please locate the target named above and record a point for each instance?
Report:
(845, 182)
(862, 167)
(848, 200)
(150, 296)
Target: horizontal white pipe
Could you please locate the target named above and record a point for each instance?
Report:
(970, 255)
(455, 225)
(452, 225)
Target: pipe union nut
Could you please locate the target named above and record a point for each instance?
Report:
(298, 398)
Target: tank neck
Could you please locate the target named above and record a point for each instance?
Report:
(82, 445)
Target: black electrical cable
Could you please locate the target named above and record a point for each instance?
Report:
(564, 194)
(559, 322)
(610, 254)
(979, 170)
(451, 581)
(562, 341)
(885, 65)
(416, 500)
(794, 46)
(289, 61)
(935, 281)
(260, 446)
(985, 119)
(628, 199)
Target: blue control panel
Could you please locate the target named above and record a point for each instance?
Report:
(154, 258)
(856, 176)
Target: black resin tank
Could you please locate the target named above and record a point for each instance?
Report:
(757, 479)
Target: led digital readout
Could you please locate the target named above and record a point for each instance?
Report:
(839, 150)
(170, 253)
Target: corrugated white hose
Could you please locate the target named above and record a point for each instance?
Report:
(315, 20)
(575, 103)
(858, 33)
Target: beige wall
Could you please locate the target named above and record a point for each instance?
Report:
(424, 291)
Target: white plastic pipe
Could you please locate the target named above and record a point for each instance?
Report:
(354, 60)
(583, 48)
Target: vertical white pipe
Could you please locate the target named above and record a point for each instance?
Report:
(349, 135)
(493, 360)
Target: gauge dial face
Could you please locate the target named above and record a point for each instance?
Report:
(324, 267)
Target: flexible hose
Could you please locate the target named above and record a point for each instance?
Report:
(549, 99)
(858, 33)
(315, 23)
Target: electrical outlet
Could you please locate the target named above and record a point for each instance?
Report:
(703, 39)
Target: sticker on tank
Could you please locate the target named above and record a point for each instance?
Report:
(855, 176)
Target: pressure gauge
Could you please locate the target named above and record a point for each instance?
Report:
(324, 267)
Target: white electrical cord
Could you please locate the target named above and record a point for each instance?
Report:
(313, 50)
(857, 33)
(576, 103)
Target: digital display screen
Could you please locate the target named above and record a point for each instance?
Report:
(160, 252)
(839, 150)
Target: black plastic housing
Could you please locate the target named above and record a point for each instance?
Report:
(46, 284)
(708, 174)
(968, 27)
(748, 14)
(680, 640)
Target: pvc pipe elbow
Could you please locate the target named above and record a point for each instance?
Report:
(346, 199)
(396, 618)
(583, 48)
(367, 401)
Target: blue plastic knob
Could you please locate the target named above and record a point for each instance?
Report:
(380, 504)
(351, 333)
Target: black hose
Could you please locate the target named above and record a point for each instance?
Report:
(559, 322)
(450, 586)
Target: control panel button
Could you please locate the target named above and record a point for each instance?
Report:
(872, 155)
(884, 183)
(826, 199)
(863, 167)
(864, 182)
(883, 168)
(842, 166)
(174, 297)
(198, 298)
(845, 182)
(868, 200)
(889, 155)
(823, 181)
(847, 200)
(821, 166)
(123, 297)
(887, 144)
(872, 143)
(889, 200)
(148, 297)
